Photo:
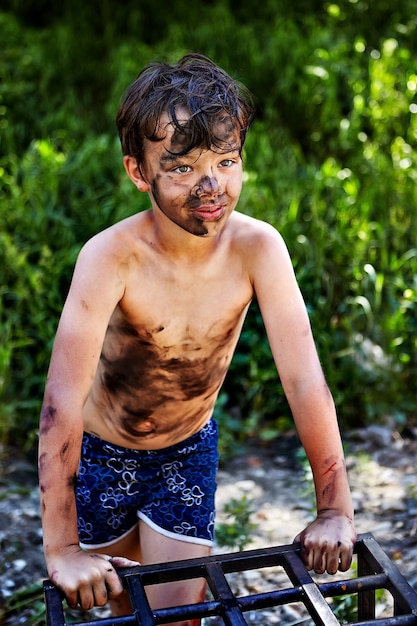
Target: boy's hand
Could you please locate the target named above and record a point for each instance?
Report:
(327, 543)
(87, 579)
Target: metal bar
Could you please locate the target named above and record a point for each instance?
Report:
(230, 609)
(124, 620)
(314, 601)
(53, 604)
(352, 585)
(195, 568)
(405, 597)
(191, 611)
(401, 620)
(375, 571)
(366, 598)
(141, 610)
(268, 599)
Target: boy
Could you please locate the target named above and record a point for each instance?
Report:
(146, 336)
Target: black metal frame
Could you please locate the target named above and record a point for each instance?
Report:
(375, 571)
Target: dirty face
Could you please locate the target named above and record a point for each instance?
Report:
(198, 190)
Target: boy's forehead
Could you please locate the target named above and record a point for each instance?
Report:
(178, 134)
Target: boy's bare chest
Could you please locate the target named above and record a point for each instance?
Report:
(177, 348)
(185, 312)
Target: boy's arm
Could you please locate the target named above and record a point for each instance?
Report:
(86, 579)
(327, 543)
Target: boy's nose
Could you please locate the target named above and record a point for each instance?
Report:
(207, 185)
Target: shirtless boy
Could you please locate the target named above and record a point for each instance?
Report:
(146, 336)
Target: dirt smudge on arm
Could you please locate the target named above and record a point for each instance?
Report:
(47, 419)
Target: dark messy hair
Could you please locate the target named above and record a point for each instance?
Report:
(195, 84)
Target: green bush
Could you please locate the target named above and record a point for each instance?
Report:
(330, 161)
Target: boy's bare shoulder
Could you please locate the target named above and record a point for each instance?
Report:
(261, 248)
(120, 240)
(251, 231)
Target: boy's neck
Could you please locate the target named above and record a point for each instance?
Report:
(181, 244)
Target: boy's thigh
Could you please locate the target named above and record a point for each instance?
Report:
(156, 548)
(128, 546)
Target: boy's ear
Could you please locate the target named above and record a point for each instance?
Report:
(135, 174)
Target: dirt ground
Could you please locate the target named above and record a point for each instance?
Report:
(275, 479)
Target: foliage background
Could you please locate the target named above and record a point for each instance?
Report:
(330, 161)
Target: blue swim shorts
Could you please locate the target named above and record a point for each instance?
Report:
(172, 489)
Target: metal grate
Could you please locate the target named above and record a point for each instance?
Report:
(374, 571)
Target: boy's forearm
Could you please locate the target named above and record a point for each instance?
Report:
(58, 510)
(59, 531)
(59, 453)
(328, 466)
(332, 489)
(319, 433)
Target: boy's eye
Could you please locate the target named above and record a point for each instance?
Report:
(186, 169)
(182, 169)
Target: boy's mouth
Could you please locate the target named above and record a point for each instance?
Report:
(210, 213)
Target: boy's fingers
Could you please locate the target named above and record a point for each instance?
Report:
(333, 560)
(85, 598)
(104, 589)
(307, 556)
(346, 556)
(121, 561)
(326, 558)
